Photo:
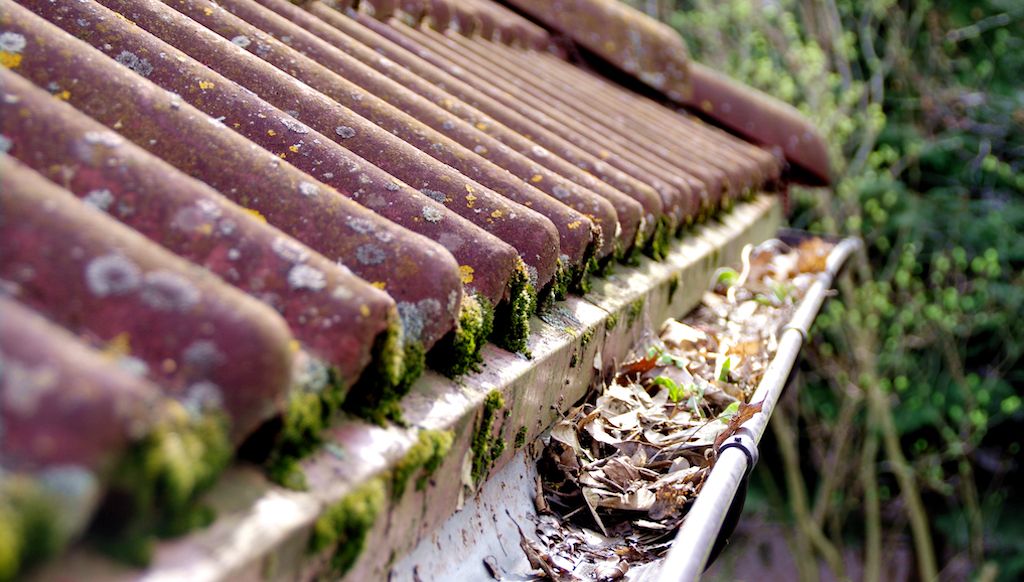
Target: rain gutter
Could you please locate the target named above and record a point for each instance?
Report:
(721, 499)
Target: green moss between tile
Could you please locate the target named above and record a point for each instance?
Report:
(512, 318)
(520, 437)
(423, 458)
(487, 447)
(345, 525)
(29, 531)
(460, 351)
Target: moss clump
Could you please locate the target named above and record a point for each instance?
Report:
(634, 310)
(673, 286)
(611, 322)
(581, 278)
(558, 289)
(425, 456)
(520, 437)
(154, 489)
(659, 244)
(487, 447)
(377, 394)
(512, 319)
(29, 525)
(585, 338)
(460, 351)
(346, 524)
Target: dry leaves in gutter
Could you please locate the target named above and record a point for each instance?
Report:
(619, 472)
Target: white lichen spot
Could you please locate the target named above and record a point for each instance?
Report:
(234, 254)
(560, 192)
(201, 397)
(370, 254)
(479, 150)
(111, 275)
(134, 62)
(345, 132)
(201, 356)
(306, 277)
(431, 214)
(384, 236)
(100, 199)
(5, 144)
(133, 366)
(308, 189)
(168, 291)
(242, 41)
(392, 187)
(360, 225)
(294, 125)
(448, 125)
(104, 138)
(365, 179)
(289, 249)
(342, 293)
(12, 42)
(539, 151)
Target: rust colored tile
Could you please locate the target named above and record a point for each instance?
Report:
(335, 315)
(428, 128)
(203, 342)
(421, 275)
(531, 174)
(508, 220)
(493, 116)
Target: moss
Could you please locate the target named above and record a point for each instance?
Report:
(585, 338)
(29, 525)
(377, 394)
(520, 437)
(460, 351)
(661, 241)
(286, 472)
(512, 319)
(611, 322)
(346, 524)
(558, 289)
(154, 489)
(581, 278)
(425, 456)
(487, 447)
(673, 286)
(634, 310)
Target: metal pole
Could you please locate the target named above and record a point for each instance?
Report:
(692, 546)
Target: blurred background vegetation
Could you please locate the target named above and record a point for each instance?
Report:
(907, 429)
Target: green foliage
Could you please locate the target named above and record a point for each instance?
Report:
(923, 109)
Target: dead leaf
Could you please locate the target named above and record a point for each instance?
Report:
(745, 413)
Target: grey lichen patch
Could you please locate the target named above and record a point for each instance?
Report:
(294, 125)
(460, 351)
(289, 249)
(424, 457)
(309, 189)
(5, 144)
(167, 291)
(100, 199)
(487, 447)
(416, 315)
(345, 525)
(370, 254)
(434, 194)
(12, 42)
(345, 132)
(306, 277)
(431, 214)
(241, 40)
(112, 275)
(131, 60)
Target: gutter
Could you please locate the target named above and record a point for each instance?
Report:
(721, 499)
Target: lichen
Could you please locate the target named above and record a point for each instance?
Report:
(424, 457)
(512, 318)
(346, 524)
(487, 447)
(459, 352)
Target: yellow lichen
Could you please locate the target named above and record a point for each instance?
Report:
(10, 60)
(255, 213)
(204, 85)
(379, 284)
(470, 200)
(63, 95)
(467, 274)
(118, 346)
(271, 132)
(573, 225)
(364, 310)
(536, 178)
(294, 148)
(496, 214)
